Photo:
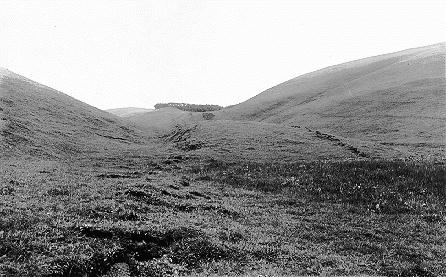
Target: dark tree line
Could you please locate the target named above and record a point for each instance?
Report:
(189, 107)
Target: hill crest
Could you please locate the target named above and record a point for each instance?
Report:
(396, 99)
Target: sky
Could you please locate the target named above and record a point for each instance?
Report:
(113, 54)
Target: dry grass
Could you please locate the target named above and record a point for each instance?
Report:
(40, 121)
(84, 193)
(192, 218)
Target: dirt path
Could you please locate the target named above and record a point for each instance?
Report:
(337, 141)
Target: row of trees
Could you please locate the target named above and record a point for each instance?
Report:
(189, 107)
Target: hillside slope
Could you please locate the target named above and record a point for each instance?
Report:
(129, 111)
(38, 120)
(396, 99)
(162, 120)
(254, 141)
(231, 141)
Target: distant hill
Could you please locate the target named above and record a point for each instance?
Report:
(167, 115)
(396, 99)
(189, 107)
(38, 120)
(163, 119)
(126, 112)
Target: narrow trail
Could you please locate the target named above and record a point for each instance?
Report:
(336, 141)
(181, 136)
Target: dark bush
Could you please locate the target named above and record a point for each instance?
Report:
(208, 116)
(194, 251)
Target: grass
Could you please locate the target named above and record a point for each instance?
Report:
(201, 218)
(41, 122)
(84, 193)
(384, 186)
(390, 99)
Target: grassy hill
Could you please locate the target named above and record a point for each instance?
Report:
(126, 112)
(396, 99)
(37, 120)
(85, 193)
(267, 142)
(163, 119)
(255, 141)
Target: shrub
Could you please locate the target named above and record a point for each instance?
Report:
(208, 116)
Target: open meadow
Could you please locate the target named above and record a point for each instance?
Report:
(303, 180)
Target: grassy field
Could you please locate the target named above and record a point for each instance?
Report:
(266, 142)
(172, 193)
(136, 215)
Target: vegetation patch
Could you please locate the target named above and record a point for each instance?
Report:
(143, 251)
(222, 218)
(381, 186)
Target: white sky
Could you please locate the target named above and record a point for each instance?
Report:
(137, 53)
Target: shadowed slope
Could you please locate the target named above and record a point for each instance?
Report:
(396, 99)
(39, 120)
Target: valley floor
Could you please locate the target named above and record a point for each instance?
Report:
(176, 215)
